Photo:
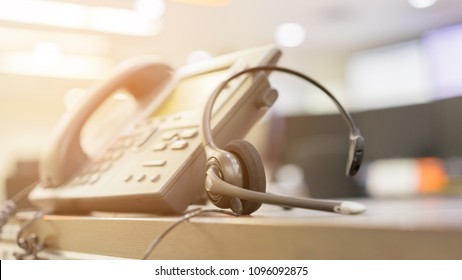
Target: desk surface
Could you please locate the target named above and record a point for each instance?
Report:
(420, 228)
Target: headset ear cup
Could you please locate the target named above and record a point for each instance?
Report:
(254, 177)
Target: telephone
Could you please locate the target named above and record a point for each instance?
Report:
(154, 162)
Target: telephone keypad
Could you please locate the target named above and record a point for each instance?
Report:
(164, 138)
(172, 139)
(93, 172)
(175, 140)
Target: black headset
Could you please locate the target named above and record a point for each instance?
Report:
(235, 177)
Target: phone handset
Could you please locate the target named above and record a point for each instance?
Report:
(63, 155)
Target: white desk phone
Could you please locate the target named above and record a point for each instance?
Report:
(155, 162)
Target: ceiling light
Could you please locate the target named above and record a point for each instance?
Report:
(85, 67)
(46, 53)
(44, 13)
(206, 3)
(289, 34)
(77, 16)
(122, 21)
(151, 9)
(69, 42)
(421, 4)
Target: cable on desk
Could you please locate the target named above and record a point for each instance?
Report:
(31, 243)
(188, 215)
(10, 205)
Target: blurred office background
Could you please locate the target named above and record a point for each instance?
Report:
(396, 64)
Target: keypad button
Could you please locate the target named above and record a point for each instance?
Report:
(177, 117)
(168, 135)
(159, 146)
(155, 163)
(188, 133)
(128, 178)
(179, 145)
(155, 178)
(141, 178)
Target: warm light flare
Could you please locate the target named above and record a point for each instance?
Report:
(46, 53)
(198, 56)
(207, 3)
(289, 34)
(422, 4)
(76, 16)
(62, 66)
